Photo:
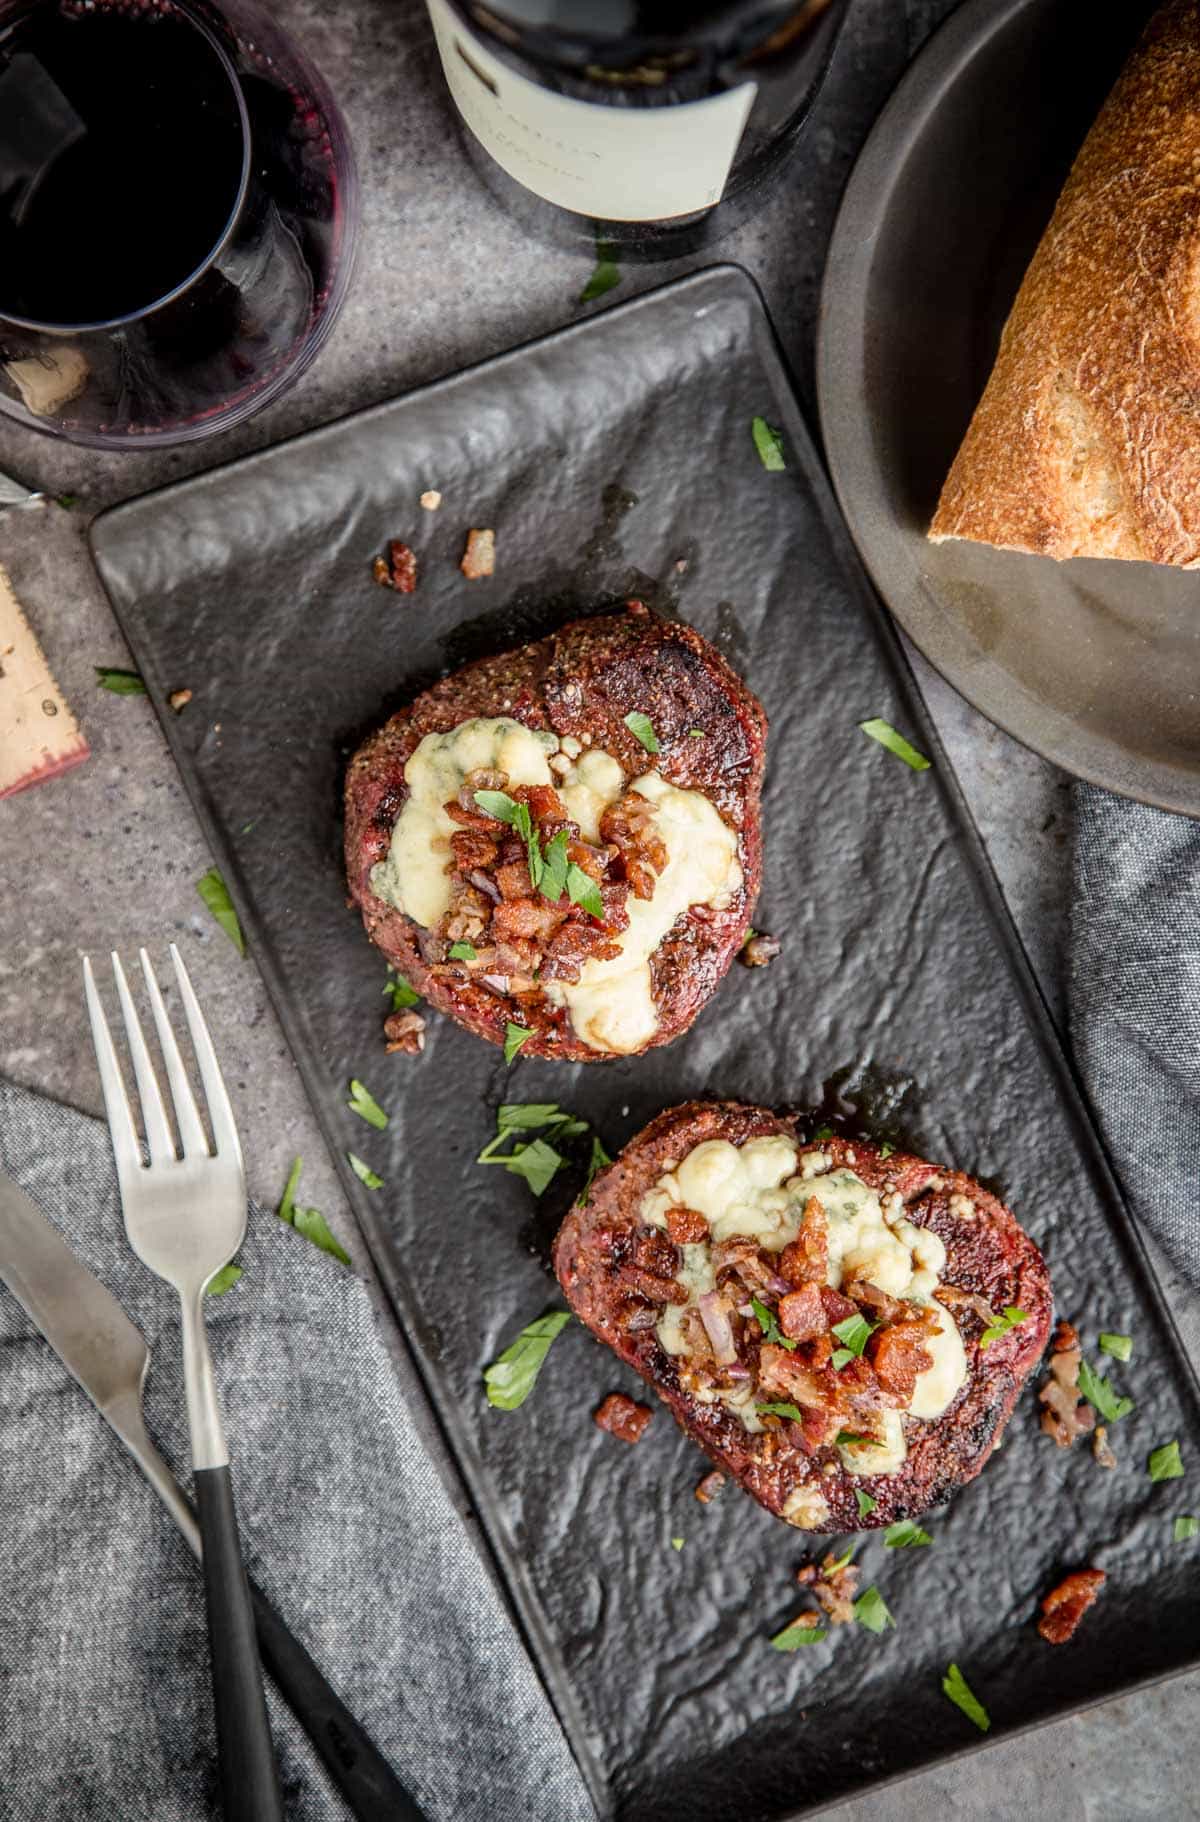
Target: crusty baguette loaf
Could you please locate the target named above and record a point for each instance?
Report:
(1087, 439)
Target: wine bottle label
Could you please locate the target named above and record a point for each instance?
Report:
(615, 163)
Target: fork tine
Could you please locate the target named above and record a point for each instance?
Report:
(154, 1114)
(187, 1118)
(126, 1150)
(220, 1112)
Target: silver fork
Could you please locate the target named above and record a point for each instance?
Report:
(185, 1217)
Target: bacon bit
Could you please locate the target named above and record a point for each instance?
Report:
(1101, 1449)
(1065, 1606)
(398, 570)
(954, 1298)
(654, 1289)
(405, 1031)
(1066, 1416)
(709, 1487)
(880, 1304)
(629, 825)
(806, 1258)
(898, 1353)
(479, 558)
(801, 1314)
(431, 499)
(833, 1587)
(837, 1307)
(686, 1226)
(621, 1417)
(759, 949)
(179, 699)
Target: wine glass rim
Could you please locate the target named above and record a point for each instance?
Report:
(168, 297)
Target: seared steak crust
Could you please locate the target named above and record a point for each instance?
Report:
(988, 1258)
(582, 681)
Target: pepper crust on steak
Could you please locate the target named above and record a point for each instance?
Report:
(579, 684)
(619, 1274)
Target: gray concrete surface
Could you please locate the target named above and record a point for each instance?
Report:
(109, 855)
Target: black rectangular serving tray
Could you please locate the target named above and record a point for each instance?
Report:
(615, 458)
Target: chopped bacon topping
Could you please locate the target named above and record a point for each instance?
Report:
(1101, 1449)
(479, 558)
(629, 826)
(801, 1314)
(686, 1226)
(1066, 1415)
(1065, 1606)
(898, 1353)
(397, 570)
(709, 1487)
(833, 1586)
(759, 949)
(955, 1299)
(405, 1031)
(806, 1258)
(623, 1418)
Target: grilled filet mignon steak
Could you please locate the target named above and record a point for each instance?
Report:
(566, 837)
(813, 1313)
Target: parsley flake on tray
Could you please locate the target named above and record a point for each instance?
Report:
(1185, 1527)
(872, 1611)
(1100, 1395)
(1165, 1463)
(402, 995)
(536, 1159)
(792, 1637)
(886, 735)
(227, 1277)
(215, 893)
(769, 444)
(363, 1103)
(514, 1037)
(511, 1378)
(607, 273)
(954, 1685)
(905, 1535)
(1120, 1347)
(363, 1171)
(677, 1543)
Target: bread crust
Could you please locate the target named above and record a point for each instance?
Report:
(1086, 441)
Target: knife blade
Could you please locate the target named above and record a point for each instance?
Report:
(106, 1354)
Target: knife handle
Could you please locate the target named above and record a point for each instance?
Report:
(348, 1753)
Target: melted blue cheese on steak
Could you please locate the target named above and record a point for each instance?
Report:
(759, 1191)
(611, 1006)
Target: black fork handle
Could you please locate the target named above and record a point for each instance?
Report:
(246, 1755)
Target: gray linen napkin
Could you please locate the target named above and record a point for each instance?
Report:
(104, 1700)
(1135, 1005)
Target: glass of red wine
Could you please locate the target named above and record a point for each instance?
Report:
(178, 210)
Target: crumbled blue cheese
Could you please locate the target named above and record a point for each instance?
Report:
(760, 1190)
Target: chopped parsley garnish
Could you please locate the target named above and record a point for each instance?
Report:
(823, 1132)
(402, 994)
(769, 444)
(227, 1277)
(866, 1504)
(854, 1334)
(514, 1037)
(887, 736)
(215, 893)
(770, 1328)
(886, 1149)
(954, 1685)
(677, 1543)
(554, 868)
(696, 734)
(582, 890)
(67, 500)
(461, 952)
(536, 1159)
(1166, 1463)
(510, 1379)
(846, 1439)
(363, 1171)
(121, 683)
(363, 1103)
(308, 1221)
(500, 805)
(904, 1535)
(1119, 1346)
(843, 1561)
(1100, 1395)
(642, 728)
(1184, 1527)
(1000, 1325)
(598, 1161)
(780, 1410)
(607, 273)
(872, 1611)
(792, 1637)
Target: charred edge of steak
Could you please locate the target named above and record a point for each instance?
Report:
(618, 1275)
(579, 683)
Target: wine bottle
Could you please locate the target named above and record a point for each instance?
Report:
(651, 125)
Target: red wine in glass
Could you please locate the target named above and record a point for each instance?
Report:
(177, 206)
